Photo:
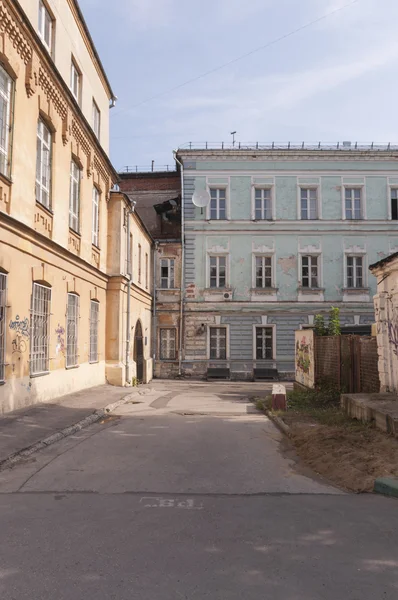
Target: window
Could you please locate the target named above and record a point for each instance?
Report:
(43, 165)
(394, 204)
(95, 219)
(46, 26)
(139, 263)
(353, 203)
(309, 272)
(218, 343)
(263, 271)
(75, 81)
(74, 197)
(263, 205)
(3, 305)
(72, 319)
(218, 203)
(308, 203)
(354, 271)
(6, 86)
(218, 268)
(94, 312)
(167, 273)
(130, 266)
(167, 344)
(146, 270)
(96, 120)
(40, 328)
(264, 343)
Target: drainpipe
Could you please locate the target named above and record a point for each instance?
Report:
(130, 275)
(154, 337)
(182, 264)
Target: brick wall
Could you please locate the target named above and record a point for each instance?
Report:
(369, 372)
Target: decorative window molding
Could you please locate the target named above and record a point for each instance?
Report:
(218, 342)
(167, 343)
(264, 342)
(72, 325)
(96, 197)
(218, 208)
(40, 329)
(43, 164)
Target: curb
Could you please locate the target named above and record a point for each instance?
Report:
(388, 486)
(96, 416)
(280, 424)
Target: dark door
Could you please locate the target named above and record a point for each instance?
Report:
(139, 351)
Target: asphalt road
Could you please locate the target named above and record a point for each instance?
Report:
(188, 494)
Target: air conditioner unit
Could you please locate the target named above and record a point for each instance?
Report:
(227, 296)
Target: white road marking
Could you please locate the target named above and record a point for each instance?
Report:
(157, 502)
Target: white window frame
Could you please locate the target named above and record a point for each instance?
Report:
(262, 189)
(227, 344)
(75, 81)
(139, 262)
(364, 270)
(96, 120)
(96, 198)
(3, 318)
(308, 189)
(170, 279)
(5, 131)
(392, 188)
(261, 326)
(254, 278)
(217, 257)
(171, 335)
(74, 196)
(218, 188)
(72, 330)
(353, 187)
(94, 330)
(319, 270)
(44, 148)
(40, 316)
(44, 14)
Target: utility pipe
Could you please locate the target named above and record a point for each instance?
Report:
(130, 275)
(182, 265)
(154, 336)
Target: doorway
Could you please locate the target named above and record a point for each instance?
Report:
(139, 351)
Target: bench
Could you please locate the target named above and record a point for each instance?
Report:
(218, 373)
(265, 374)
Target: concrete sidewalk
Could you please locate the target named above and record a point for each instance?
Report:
(23, 428)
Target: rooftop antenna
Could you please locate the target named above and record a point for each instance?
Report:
(233, 138)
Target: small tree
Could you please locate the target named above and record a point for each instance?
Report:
(319, 325)
(334, 321)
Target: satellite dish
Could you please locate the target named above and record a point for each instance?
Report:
(201, 198)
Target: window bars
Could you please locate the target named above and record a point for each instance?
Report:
(40, 329)
(3, 306)
(94, 314)
(72, 319)
(167, 344)
(218, 343)
(264, 343)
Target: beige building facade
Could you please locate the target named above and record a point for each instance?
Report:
(386, 312)
(55, 202)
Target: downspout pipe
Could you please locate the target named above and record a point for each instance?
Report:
(130, 211)
(154, 324)
(182, 283)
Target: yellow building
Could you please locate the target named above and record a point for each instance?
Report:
(55, 182)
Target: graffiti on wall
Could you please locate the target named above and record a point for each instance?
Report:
(19, 345)
(60, 331)
(20, 326)
(304, 358)
(393, 335)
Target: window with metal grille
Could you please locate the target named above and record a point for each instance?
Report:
(218, 343)
(75, 81)
(6, 87)
(43, 164)
(263, 206)
(394, 204)
(72, 321)
(95, 217)
(3, 305)
(309, 272)
(264, 343)
(96, 119)
(218, 203)
(218, 269)
(74, 196)
(46, 26)
(139, 263)
(263, 271)
(355, 272)
(94, 314)
(309, 203)
(167, 344)
(353, 203)
(40, 329)
(167, 273)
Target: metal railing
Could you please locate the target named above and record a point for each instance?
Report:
(148, 168)
(342, 146)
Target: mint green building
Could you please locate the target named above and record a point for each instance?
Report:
(289, 232)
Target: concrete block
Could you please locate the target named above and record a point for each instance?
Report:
(279, 397)
(387, 486)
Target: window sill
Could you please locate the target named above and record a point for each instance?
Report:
(34, 375)
(5, 179)
(308, 290)
(94, 246)
(264, 290)
(71, 230)
(43, 207)
(91, 362)
(72, 367)
(262, 220)
(358, 290)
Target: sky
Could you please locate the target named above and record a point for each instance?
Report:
(332, 81)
